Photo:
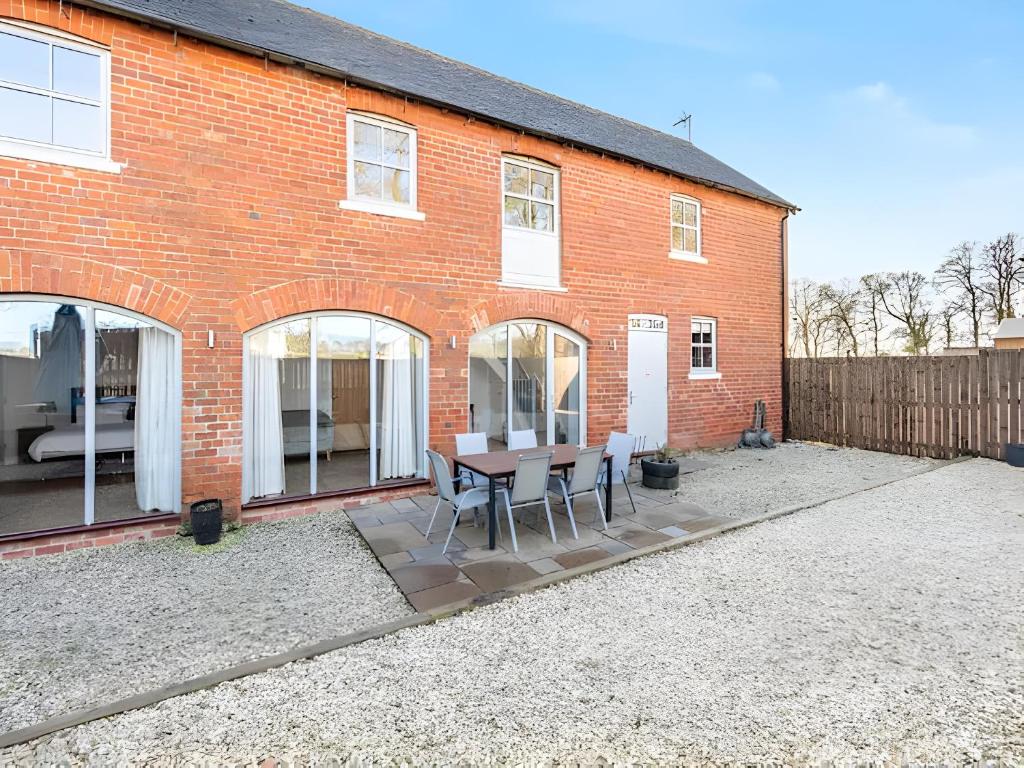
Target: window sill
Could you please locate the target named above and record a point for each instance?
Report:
(684, 256)
(705, 375)
(382, 210)
(532, 287)
(58, 157)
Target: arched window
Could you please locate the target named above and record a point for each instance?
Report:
(89, 414)
(528, 374)
(333, 401)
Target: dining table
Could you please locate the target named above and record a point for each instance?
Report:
(501, 465)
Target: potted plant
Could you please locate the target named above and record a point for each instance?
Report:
(1015, 454)
(206, 517)
(662, 469)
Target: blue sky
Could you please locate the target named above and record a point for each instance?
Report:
(896, 127)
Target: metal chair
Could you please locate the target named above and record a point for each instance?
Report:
(470, 498)
(530, 487)
(584, 480)
(523, 438)
(620, 446)
(467, 444)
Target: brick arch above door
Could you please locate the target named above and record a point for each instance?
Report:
(61, 275)
(528, 304)
(320, 294)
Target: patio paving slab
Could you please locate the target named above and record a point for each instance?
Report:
(417, 576)
(580, 557)
(452, 592)
(392, 538)
(499, 573)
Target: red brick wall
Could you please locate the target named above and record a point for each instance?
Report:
(226, 216)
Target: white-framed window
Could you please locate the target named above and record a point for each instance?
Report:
(54, 98)
(530, 215)
(381, 166)
(528, 375)
(685, 224)
(703, 347)
(530, 195)
(332, 401)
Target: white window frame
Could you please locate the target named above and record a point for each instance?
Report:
(314, 318)
(366, 205)
(89, 385)
(553, 329)
(680, 255)
(554, 202)
(703, 372)
(51, 153)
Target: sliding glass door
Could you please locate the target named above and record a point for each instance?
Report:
(89, 415)
(332, 402)
(528, 374)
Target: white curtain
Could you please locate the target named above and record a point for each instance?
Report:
(264, 474)
(60, 369)
(155, 421)
(398, 450)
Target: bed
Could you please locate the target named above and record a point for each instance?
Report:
(69, 440)
(296, 432)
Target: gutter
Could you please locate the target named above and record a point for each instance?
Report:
(280, 58)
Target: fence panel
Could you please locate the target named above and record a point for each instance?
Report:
(924, 406)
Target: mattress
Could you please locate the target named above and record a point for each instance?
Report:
(69, 440)
(295, 426)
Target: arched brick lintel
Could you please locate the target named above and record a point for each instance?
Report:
(319, 294)
(534, 304)
(70, 276)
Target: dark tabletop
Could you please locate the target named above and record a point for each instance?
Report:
(503, 463)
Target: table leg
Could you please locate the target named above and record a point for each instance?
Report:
(492, 514)
(608, 489)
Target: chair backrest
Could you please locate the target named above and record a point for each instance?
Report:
(531, 480)
(523, 438)
(442, 475)
(620, 446)
(587, 469)
(469, 443)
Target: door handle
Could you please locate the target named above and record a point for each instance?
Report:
(630, 397)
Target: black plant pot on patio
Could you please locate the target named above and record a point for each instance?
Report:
(207, 516)
(1015, 454)
(663, 475)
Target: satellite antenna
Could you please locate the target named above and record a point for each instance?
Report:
(685, 119)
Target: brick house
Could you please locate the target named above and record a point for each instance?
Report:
(301, 253)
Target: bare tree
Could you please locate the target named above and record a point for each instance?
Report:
(948, 315)
(1003, 270)
(811, 321)
(842, 305)
(960, 275)
(906, 302)
(873, 287)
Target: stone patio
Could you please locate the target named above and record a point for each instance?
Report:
(396, 532)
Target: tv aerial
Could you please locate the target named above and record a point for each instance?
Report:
(686, 118)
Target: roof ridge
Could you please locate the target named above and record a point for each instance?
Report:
(465, 65)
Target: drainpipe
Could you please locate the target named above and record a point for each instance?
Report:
(784, 259)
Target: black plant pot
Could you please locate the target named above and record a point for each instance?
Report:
(663, 475)
(207, 516)
(1015, 454)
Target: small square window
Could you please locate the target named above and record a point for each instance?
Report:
(685, 224)
(381, 165)
(54, 99)
(703, 342)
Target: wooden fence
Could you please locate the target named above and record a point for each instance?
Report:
(923, 406)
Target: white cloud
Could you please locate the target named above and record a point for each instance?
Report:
(877, 108)
(763, 81)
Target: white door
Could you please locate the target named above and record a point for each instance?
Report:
(648, 379)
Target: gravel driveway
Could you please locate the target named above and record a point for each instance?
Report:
(747, 483)
(96, 625)
(887, 625)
